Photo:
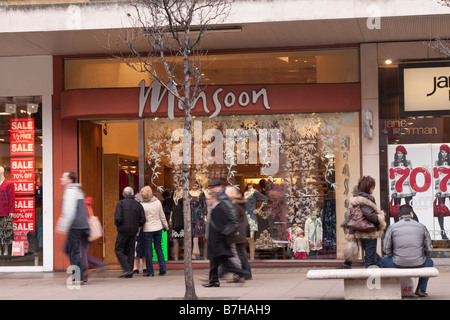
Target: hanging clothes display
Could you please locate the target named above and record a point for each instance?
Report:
(198, 212)
(314, 232)
(329, 225)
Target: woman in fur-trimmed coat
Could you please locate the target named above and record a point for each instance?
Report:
(364, 198)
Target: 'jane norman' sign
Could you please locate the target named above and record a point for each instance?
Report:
(220, 98)
(425, 87)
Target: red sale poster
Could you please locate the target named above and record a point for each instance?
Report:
(22, 136)
(24, 219)
(22, 175)
(419, 175)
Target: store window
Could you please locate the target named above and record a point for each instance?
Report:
(295, 168)
(21, 235)
(413, 155)
(277, 67)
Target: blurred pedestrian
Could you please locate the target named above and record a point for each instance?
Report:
(222, 229)
(129, 216)
(153, 227)
(86, 258)
(73, 222)
(241, 240)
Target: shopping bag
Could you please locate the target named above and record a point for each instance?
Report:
(96, 228)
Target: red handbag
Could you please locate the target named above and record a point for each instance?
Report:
(394, 209)
(440, 210)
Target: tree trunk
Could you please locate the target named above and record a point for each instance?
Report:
(188, 272)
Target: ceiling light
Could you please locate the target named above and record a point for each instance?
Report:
(32, 107)
(10, 108)
(388, 61)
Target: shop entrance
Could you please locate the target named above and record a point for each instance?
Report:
(108, 161)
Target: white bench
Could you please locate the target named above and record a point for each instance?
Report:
(372, 283)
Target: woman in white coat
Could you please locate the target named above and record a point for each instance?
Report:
(155, 222)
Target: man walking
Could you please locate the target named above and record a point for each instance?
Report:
(222, 227)
(128, 217)
(73, 221)
(407, 244)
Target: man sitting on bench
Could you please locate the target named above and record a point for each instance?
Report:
(407, 244)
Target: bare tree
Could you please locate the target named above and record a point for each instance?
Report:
(439, 45)
(172, 32)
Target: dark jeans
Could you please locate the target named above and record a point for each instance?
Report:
(73, 242)
(154, 238)
(125, 246)
(371, 258)
(240, 248)
(214, 264)
(388, 262)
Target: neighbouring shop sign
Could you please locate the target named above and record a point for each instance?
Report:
(425, 88)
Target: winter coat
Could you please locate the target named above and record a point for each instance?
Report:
(129, 216)
(155, 218)
(371, 213)
(239, 204)
(72, 198)
(408, 242)
(217, 241)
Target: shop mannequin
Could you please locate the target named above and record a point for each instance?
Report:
(177, 221)
(252, 195)
(198, 214)
(7, 209)
(292, 234)
(313, 231)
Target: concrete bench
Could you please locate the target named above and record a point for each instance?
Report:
(372, 283)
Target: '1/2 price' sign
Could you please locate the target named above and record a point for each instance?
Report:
(22, 136)
(22, 175)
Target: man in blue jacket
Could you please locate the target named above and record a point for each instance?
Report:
(407, 244)
(128, 217)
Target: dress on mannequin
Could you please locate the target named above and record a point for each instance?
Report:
(7, 209)
(198, 213)
(177, 221)
(314, 232)
(252, 196)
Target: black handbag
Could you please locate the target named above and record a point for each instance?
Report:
(358, 222)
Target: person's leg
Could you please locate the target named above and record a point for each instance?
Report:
(148, 236)
(423, 282)
(129, 251)
(157, 238)
(240, 248)
(387, 262)
(120, 250)
(370, 252)
(74, 238)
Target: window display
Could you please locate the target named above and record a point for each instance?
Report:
(20, 181)
(293, 170)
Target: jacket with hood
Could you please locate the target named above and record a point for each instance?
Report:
(73, 197)
(154, 215)
(371, 213)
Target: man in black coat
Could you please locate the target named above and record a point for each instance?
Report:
(128, 217)
(222, 230)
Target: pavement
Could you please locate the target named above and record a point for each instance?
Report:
(268, 284)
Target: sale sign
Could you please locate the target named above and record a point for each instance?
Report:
(22, 136)
(22, 175)
(419, 175)
(24, 215)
